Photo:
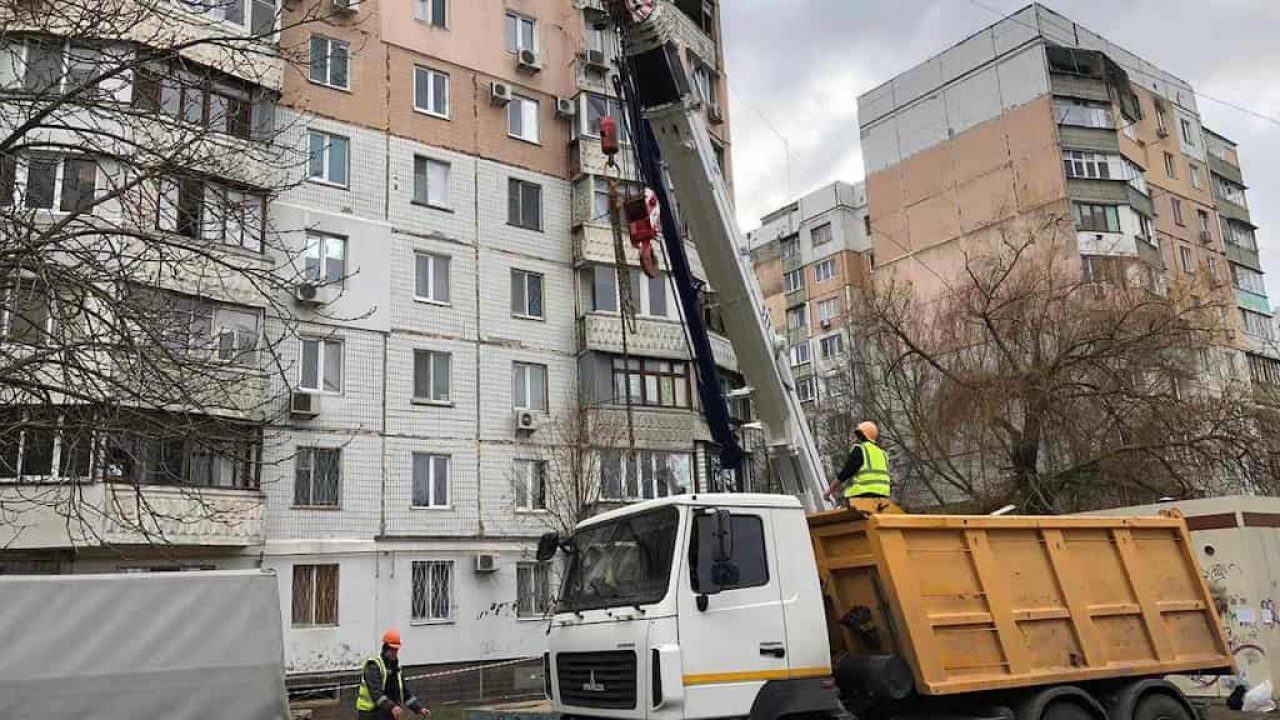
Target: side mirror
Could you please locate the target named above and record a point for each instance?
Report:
(723, 536)
(547, 546)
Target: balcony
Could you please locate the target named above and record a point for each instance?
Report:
(689, 34)
(656, 338)
(1242, 255)
(1231, 210)
(593, 243)
(1253, 301)
(660, 428)
(1223, 167)
(78, 515)
(586, 158)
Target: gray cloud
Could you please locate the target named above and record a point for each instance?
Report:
(799, 65)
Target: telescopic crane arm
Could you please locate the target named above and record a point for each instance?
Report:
(674, 153)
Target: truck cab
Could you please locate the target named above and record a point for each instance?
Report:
(691, 606)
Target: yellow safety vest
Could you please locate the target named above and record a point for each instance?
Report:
(365, 702)
(873, 477)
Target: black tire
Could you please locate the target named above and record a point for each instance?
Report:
(1066, 710)
(1159, 706)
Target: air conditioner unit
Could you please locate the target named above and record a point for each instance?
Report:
(714, 113)
(528, 60)
(1206, 236)
(595, 60)
(304, 404)
(825, 323)
(343, 7)
(499, 93)
(308, 293)
(566, 107)
(486, 563)
(526, 421)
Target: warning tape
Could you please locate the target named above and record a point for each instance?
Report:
(443, 673)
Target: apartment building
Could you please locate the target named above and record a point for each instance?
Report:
(1037, 116)
(458, 301)
(811, 258)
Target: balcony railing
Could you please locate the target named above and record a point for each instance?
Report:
(657, 338)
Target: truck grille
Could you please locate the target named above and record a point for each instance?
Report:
(598, 679)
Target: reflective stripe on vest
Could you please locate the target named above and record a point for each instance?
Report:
(873, 477)
(365, 701)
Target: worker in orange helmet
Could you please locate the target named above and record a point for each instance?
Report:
(382, 693)
(866, 470)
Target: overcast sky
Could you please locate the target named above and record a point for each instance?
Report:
(796, 67)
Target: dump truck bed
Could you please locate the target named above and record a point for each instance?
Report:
(985, 603)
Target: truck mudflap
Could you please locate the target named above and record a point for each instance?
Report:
(801, 696)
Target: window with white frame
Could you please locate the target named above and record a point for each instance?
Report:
(529, 386)
(27, 316)
(646, 474)
(186, 324)
(522, 118)
(1188, 262)
(1083, 114)
(1090, 165)
(800, 353)
(1175, 205)
(1188, 132)
(599, 107)
(431, 277)
(521, 32)
(650, 294)
(789, 247)
(330, 62)
(793, 280)
(430, 91)
(604, 289)
(533, 590)
(831, 345)
(321, 366)
(324, 260)
(705, 83)
(1135, 175)
(600, 197)
(317, 477)
(806, 389)
(828, 309)
(315, 595)
(34, 447)
(430, 480)
(526, 294)
(1170, 165)
(328, 157)
(432, 593)
(531, 484)
(1256, 324)
(431, 182)
(432, 371)
(1097, 218)
(1229, 191)
(821, 235)
(1203, 218)
(1248, 279)
(260, 20)
(1162, 118)
(1197, 181)
(1237, 233)
(524, 204)
(227, 216)
(51, 182)
(797, 317)
(432, 12)
(824, 270)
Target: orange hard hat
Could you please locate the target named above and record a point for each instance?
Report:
(392, 638)
(868, 430)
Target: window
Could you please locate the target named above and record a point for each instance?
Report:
(526, 294)
(220, 102)
(315, 595)
(431, 376)
(431, 92)
(325, 258)
(748, 555)
(793, 280)
(330, 61)
(431, 277)
(72, 182)
(524, 204)
(652, 382)
(533, 590)
(235, 335)
(789, 247)
(262, 19)
(1135, 176)
(432, 12)
(321, 365)
(828, 309)
(1194, 171)
(825, 270)
(8, 178)
(1086, 165)
(1188, 264)
(649, 294)
(27, 314)
(1256, 324)
(599, 107)
(317, 477)
(328, 157)
(226, 216)
(1144, 228)
(430, 481)
(529, 386)
(1248, 280)
(1203, 217)
(1211, 267)
(1083, 114)
(531, 484)
(1238, 234)
(522, 118)
(1170, 165)
(646, 474)
(1229, 191)
(1162, 119)
(521, 33)
(821, 235)
(604, 289)
(797, 317)
(33, 447)
(831, 345)
(432, 598)
(1097, 218)
(431, 182)
(1264, 369)
(1175, 205)
(806, 390)
(800, 353)
(1188, 133)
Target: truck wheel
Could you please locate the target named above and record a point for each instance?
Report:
(1065, 710)
(1158, 706)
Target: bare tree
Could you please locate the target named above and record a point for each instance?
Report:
(1057, 383)
(146, 293)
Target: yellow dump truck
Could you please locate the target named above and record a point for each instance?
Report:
(714, 606)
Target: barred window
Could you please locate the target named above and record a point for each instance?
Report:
(315, 595)
(533, 590)
(432, 590)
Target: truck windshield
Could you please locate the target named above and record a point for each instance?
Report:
(623, 562)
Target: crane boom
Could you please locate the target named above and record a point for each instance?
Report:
(678, 142)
